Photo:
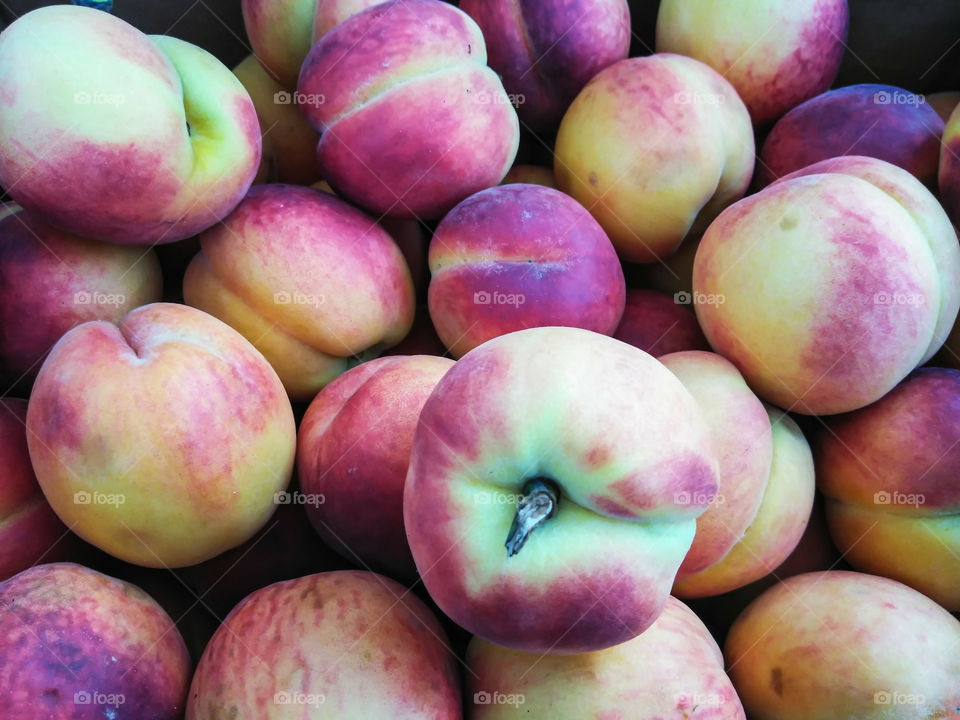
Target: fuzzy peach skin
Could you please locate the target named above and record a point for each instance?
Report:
(879, 121)
(547, 51)
(114, 135)
(742, 439)
(948, 177)
(519, 256)
(673, 670)
(653, 147)
(160, 439)
(281, 32)
(78, 645)
(658, 324)
(289, 142)
(308, 279)
(345, 645)
(30, 532)
(831, 292)
(776, 53)
(891, 472)
(538, 403)
(353, 450)
(837, 645)
(411, 119)
(779, 523)
(530, 174)
(51, 281)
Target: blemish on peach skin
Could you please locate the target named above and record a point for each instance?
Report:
(776, 681)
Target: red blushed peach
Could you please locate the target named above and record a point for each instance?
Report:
(655, 147)
(778, 525)
(353, 450)
(838, 645)
(522, 493)
(281, 32)
(371, 81)
(161, 439)
(949, 170)
(776, 53)
(345, 644)
(308, 279)
(742, 440)
(547, 51)
(672, 670)
(75, 644)
(659, 324)
(30, 532)
(51, 281)
(879, 121)
(289, 143)
(891, 473)
(530, 174)
(824, 289)
(520, 256)
(117, 135)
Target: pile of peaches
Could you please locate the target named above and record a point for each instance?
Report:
(445, 362)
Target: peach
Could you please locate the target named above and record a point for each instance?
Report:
(672, 670)
(828, 287)
(289, 143)
(51, 281)
(742, 439)
(530, 174)
(944, 103)
(520, 256)
(547, 51)
(281, 32)
(879, 121)
(890, 472)
(776, 53)
(76, 644)
(154, 139)
(595, 484)
(30, 532)
(837, 645)
(349, 645)
(658, 324)
(378, 81)
(308, 279)
(160, 439)
(778, 525)
(655, 147)
(948, 177)
(353, 450)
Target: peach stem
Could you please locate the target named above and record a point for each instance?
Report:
(538, 503)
